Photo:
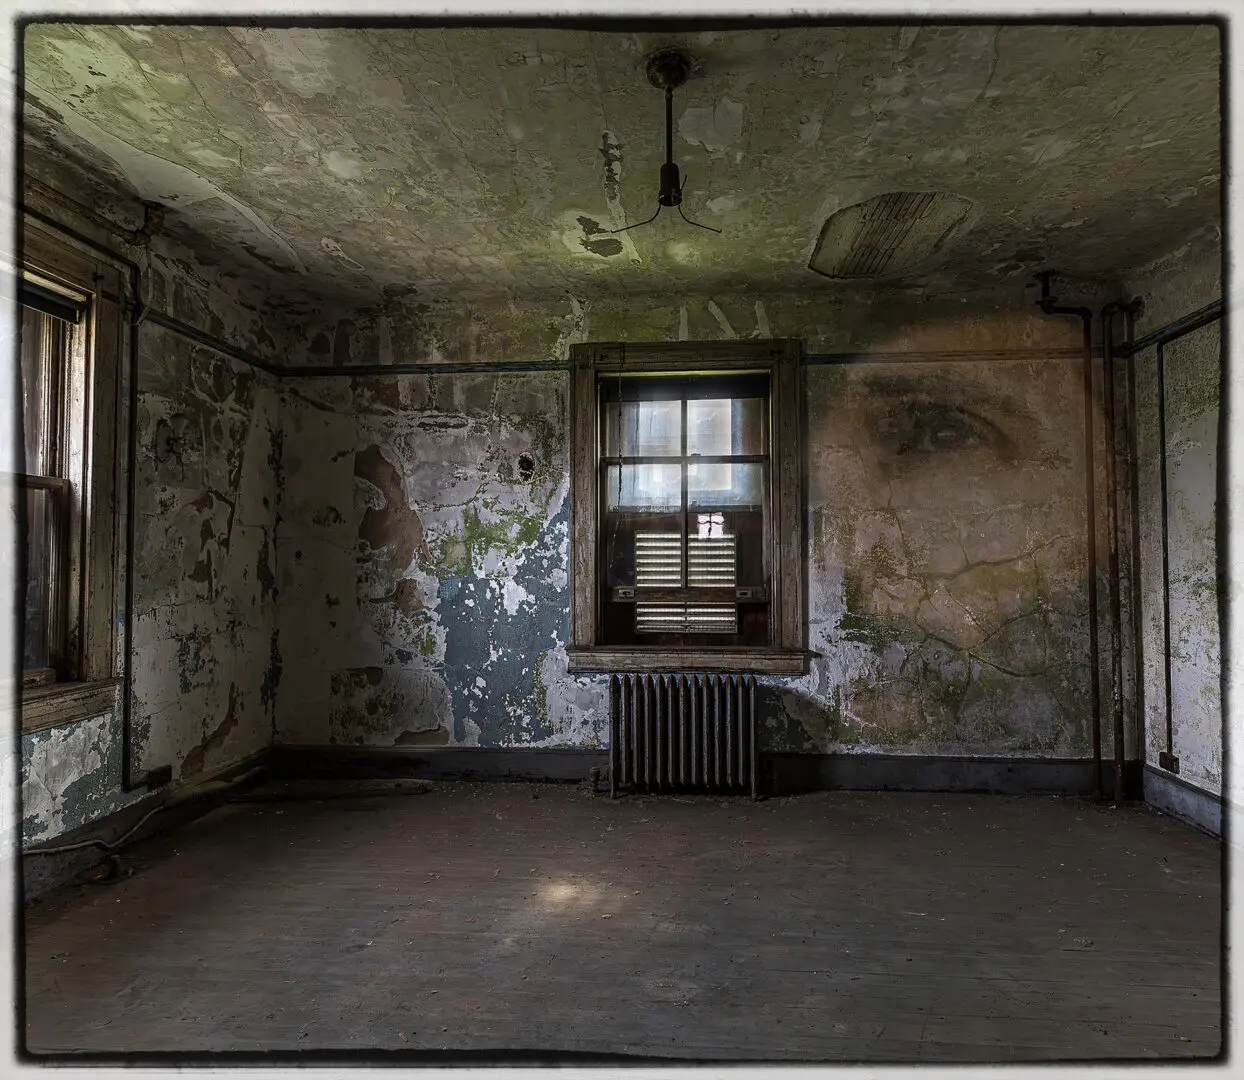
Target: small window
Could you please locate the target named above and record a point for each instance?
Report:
(686, 508)
(682, 535)
(47, 493)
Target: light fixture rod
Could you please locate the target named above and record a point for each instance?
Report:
(669, 125)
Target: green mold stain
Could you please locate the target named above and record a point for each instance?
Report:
(857, 624)
(540, 694)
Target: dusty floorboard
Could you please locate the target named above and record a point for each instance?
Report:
(840, 926)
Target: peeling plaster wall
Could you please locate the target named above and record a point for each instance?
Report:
(423, 549)
(206, 657)
(1179, 283)
(206, 660)
(424, 570)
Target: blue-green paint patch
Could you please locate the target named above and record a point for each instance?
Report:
(484, 642)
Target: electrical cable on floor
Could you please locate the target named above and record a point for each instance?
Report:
(109, 846)
(175, 799)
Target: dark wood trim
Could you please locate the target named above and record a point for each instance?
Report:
(29, 481)
(53, 704)
(679, 459)
(102, 520)
(583, 498)
(665, 660)
(686, 356)
(785, 558)
(790, 559)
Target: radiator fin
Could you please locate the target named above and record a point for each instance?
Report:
(693, 733)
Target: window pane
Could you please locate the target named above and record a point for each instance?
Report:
(643, 487)
(726, 426)
(643, 429)
(43, 342)
(725, 485)
(38, 621)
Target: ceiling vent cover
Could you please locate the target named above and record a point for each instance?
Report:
(889, 234)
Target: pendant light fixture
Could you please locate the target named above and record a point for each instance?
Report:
(667, 70)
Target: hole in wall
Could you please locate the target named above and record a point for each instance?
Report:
(526, 467)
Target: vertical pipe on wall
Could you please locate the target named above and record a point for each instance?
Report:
(1115, 585)
(1166, 558)
(1090, 504)
(1047, 305)
(1133, 453)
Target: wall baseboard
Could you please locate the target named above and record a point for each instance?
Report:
(439, 762)
(782, 774)
(791, 773)
(1181, 799)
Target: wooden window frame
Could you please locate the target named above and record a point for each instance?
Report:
(86, 683)
(781, 359)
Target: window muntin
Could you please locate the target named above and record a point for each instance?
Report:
(684, 505)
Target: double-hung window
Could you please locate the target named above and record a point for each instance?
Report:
(68, 334)
(686, 546)
(46, 338)
(685, 484)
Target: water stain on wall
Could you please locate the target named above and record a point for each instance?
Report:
(394, 524)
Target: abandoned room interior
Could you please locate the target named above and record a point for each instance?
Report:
(620, 543)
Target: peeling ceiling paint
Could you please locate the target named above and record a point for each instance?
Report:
(492, 162)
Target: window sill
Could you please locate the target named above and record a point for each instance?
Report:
(732, 661)
(62, 703)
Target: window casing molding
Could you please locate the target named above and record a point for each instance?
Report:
(92, 422)
(780, 359)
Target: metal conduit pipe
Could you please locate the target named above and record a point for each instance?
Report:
(1133, 451)
(1108, 314)
(1166, 548)
(1048, 305)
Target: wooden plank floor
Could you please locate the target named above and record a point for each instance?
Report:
(830, 927)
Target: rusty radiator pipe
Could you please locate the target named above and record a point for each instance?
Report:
(1048, 305)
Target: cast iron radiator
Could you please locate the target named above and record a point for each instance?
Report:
(694, 733)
